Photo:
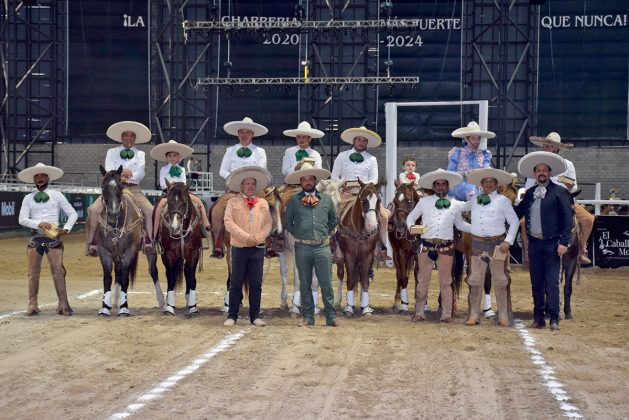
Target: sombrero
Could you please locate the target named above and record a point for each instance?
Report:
(477, 175)
(246, 123)
(159, 152)
(373, 138)
(426, 180)
(527, 163)
(304, 129)
(472, 129)
(26, 175)
(306, 170)
(552, 139)
(261, 175)
(142, 133)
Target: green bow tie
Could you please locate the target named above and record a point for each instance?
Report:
(244, 152)
(41, 197)
(483, 199)
(356, 157)
(174, 171)
(442, 203)
(127, 154)
(301, 153)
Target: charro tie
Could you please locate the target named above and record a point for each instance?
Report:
(483, 199)
(442, 203)
(175, 171)
(356, 157)
(411, 176)
(244, 152)
(250, 201)
(127, 154)
(300, 154)
(310, 200)
(41, 197)
(540, 192)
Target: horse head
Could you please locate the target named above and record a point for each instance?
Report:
(178, 205)
(510, 190)
(111, 188)
(404, 200)
(331, 188)
(367, 206)
(272, 196)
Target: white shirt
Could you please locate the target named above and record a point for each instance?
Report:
(570, 173)
(135, 165)
(489, 220)
(439, 222)
(346, 170)
(231, 161)
(404, 180)
(165, 175)
(290, 161)
(32, 213)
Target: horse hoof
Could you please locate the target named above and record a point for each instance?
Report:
(104, 312)
(568, 316)
(168, 310)
(218, 254)
(193, 312)
(294, 315)
(124, 312)
(403, 312)
(367, 310)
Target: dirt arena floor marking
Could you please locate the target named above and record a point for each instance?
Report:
(171, 381)
(547, 372)
(48, 305)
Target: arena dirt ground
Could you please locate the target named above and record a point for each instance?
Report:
(382, 366)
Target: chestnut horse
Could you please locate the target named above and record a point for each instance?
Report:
(180, 235)
(120, 233)
(404, 244)
(357, 237)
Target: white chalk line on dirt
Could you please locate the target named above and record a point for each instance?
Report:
(547, 372)
(171, 381)
(48, 305)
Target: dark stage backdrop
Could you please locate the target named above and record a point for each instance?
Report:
(108, 64)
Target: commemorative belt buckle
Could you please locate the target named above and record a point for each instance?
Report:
(537, 235)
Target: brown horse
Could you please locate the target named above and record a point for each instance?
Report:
(403, 243)
(569, 266)
(180, 235)
(357, 237)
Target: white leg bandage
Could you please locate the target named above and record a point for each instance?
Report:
(192, 298)
(107, 299)
(350, 298)
(170, 298)
(487, 302)
(297, 299)
(404, 296)
(364, 299)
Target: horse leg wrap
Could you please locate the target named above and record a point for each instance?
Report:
(192, 298)
(170, 298)
(297, 298)
(404, 296)
(364, 299)
(225, 307)
(315, 300)
(487, 302)
(122, 300)
(350, 298)
(106, 305)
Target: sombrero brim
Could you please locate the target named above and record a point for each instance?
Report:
(477, 175)
(262, 176)
(26, 175)
(374, 139)
(142, 133)
(159, 152)
(463, 132)
(541, 141)
(426, 180)
(295, 177)
(313, 132)
(527, 163)
(233, 127)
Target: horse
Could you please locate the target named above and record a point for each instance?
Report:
(463, 249)
(569, 266)
(331, 188)
(275, 240)
(404, 244)
(357, 237)
(180, 232)
(120, 234)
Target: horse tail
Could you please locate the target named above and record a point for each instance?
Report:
(457, 271)
(178, 271)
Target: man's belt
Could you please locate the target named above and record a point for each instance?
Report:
(536, 235)
(489, 238)
(128, 184)
(435, 241)
(312, 241)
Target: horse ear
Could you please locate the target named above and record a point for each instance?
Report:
(396, 183)
(119, 171)
(188, 184)
(102, 169)
(168, 184)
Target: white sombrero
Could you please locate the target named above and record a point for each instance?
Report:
(159, 152)
(426, 180)
(472, 129)
(304, 129)
(246, 123)
(552, 139)
(142, 133)
(527, 163)
(373, 138)
(26, 175)
(477, 175)
(306, 170)
(262, 176)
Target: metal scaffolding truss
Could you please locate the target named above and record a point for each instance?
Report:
(302, 81)
(499, 63)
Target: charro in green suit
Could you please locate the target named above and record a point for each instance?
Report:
(312, 225)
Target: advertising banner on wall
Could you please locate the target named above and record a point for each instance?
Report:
(611, 241)
(10, 204)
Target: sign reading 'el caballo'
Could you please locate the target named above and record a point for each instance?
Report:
(611, 241)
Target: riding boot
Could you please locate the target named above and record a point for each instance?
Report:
(33, 289)
(63, 308)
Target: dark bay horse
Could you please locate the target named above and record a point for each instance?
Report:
(569, 266)
(357, 237)
(120, 233)
(403, 243)
(180, 230)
